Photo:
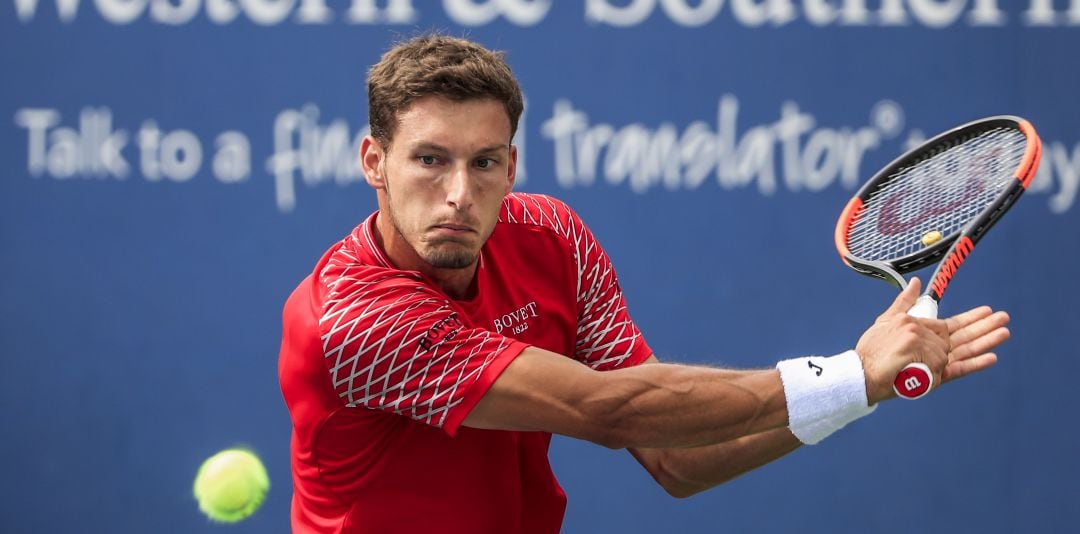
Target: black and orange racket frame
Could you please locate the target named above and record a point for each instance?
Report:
(961, 242)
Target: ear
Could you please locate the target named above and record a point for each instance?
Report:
(511, 170)
(372, 157)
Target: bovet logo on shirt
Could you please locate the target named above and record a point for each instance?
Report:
(443, 330)
(516, 320)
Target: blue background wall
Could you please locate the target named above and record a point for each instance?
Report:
(142, 284)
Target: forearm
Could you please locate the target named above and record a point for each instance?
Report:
(817, 396)
(682, 406)
(645, 406)
(684, 472)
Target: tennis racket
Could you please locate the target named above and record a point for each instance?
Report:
(933, 205)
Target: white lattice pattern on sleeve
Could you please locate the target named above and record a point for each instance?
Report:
(606, 336)
(391, 343)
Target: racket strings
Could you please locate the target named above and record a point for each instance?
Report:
(940, 191)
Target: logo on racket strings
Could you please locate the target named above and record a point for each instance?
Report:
(897, 217)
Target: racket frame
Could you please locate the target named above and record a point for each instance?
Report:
(952, 250)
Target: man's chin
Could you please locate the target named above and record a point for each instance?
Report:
(450, 258)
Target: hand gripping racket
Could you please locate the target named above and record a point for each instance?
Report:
(933, 205)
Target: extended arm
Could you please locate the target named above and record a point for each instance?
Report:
(684, 472)
(645, 406)
(702, 410)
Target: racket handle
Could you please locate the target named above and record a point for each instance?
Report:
(915, 379)
(925, 308)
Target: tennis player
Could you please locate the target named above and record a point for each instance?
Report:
(433, 351)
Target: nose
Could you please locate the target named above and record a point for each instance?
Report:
(459, 188)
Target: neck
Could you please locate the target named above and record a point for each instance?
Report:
(457, 283)
(454, 282)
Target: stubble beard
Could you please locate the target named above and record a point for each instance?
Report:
(449, 257)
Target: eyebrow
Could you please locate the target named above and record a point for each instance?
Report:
(439, 148)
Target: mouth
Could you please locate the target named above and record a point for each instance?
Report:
(454, 228)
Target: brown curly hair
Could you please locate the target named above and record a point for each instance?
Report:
(440, 65)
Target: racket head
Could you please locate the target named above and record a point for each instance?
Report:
(938, 199)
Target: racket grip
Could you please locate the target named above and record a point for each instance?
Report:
(925, 308)
(915, 379)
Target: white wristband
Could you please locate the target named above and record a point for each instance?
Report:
(823, 394)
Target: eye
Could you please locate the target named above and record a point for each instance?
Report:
(485, 163)
(428, 160)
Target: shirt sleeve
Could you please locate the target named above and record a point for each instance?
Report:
(607, 337)
(396, 345)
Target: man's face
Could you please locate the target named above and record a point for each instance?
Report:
(444, 177)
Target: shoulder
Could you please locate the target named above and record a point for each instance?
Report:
(354, 270)
(540, 211)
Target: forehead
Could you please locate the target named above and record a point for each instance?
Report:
(439, 120)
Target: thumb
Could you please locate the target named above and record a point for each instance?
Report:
(906, 299)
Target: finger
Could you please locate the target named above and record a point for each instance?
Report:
(979, 328)
(979, 345)
(961, 320)
(958, 369)
(906, 299)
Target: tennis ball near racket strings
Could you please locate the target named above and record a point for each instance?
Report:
(931, 237)
(231, 485)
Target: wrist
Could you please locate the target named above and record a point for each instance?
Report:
(823, 394)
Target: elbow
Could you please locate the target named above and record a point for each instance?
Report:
(667, 475)
(680, 491)
(678, 488)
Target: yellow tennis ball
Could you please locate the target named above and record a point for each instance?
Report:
(231, 485)
(931, 237)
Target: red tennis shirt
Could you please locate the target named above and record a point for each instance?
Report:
(379, 367)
